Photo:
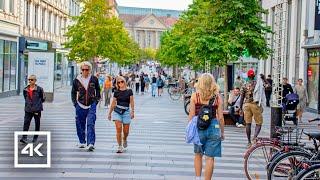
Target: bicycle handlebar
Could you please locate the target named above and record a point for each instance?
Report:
(312, 120)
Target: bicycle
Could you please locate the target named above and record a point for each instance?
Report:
(289, 164)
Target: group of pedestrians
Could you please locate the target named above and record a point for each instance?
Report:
(206, 106)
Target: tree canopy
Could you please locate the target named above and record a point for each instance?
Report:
(96, 33)
(218, 31)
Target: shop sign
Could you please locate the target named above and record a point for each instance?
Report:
(314, 53)
(317, 16)
(36, 45)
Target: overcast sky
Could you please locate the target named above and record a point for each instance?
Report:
(161, 4)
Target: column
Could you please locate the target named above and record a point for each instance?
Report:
(145, 39)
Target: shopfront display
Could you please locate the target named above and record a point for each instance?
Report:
(313, 78)
(8, 66)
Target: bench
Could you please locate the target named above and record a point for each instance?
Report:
(227, 119)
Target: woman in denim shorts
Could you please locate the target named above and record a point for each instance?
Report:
(121, 113)
(211, 137)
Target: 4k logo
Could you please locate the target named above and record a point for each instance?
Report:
(32, 155)
(31, 150)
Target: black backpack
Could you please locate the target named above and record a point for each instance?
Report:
(206, 114)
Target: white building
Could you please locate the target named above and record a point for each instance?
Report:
(303, 44)
(9, 33)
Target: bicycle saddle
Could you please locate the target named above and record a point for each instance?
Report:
(313, 135)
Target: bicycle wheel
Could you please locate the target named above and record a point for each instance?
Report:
(257, 158)
(287, 165)
(312, 173)
(187, 107)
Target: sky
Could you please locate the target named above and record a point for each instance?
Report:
(160, 4)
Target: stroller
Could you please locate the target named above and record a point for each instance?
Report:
(290, 108)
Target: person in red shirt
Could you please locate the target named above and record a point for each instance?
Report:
(34, 98)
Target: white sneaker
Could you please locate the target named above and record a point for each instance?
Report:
(81, 145)
(241, 126)
(237, 124)
(90, 147)
(120, 149)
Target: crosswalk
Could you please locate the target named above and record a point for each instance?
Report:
(157, 149)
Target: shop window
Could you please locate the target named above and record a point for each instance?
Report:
(2, 5)
(13, 65)
(313, 79)
(1, 64)
(6, 66)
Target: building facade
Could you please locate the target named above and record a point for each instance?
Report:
(302, 44)
(9, 34)
(145, 25)
(33, 26)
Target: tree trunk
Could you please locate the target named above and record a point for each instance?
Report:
(225, 99)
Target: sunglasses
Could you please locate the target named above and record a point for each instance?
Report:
(31, 79)
(85, 69)
(120, 82)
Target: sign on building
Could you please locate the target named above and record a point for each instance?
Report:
(41, 64)
(317, 16)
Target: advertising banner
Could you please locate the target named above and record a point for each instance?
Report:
(41, 64)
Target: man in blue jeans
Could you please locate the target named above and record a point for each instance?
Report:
(85, 96)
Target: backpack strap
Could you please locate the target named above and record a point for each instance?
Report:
(212, 100)
(198, 98)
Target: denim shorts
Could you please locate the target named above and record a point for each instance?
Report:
(124, 118)
(210, 140)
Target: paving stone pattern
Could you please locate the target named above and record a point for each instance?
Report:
(156, 143)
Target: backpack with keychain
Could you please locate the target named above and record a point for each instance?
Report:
(206, 114)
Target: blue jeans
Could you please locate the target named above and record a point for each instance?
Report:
(153, 89)
(83, 117)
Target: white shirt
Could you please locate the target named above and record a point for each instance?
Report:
(85, 83)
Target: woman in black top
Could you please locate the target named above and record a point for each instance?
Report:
(122, 111)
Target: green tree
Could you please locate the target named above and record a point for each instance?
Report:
(96, 33)
(218, 31)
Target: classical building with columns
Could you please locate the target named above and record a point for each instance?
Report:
(146, 25)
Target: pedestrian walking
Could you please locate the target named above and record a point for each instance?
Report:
(238, 82)
(101, 79)
(301, 90)
(153, 86)
(121, 112)
(147, 81)
(160, 84)
(137, 81)
(286, 89)
(234, 107)
(85, 96)
(142, 83)
(34, 98)
(210, 138)
(268, 90)
(107, 90)
(252, 100)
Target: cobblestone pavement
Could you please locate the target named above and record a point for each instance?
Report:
(156, 143)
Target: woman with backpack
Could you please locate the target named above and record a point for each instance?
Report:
(122, 111)
(207, 109)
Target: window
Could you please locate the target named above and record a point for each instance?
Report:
(11, 6)
(49, 22)
(27, 13)
(1, 4)
(54, 24)
(43, 19)
(149, 39)
(1, 63)
(13, 65)
(6, 66)
(36, 11)
(60, 29)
